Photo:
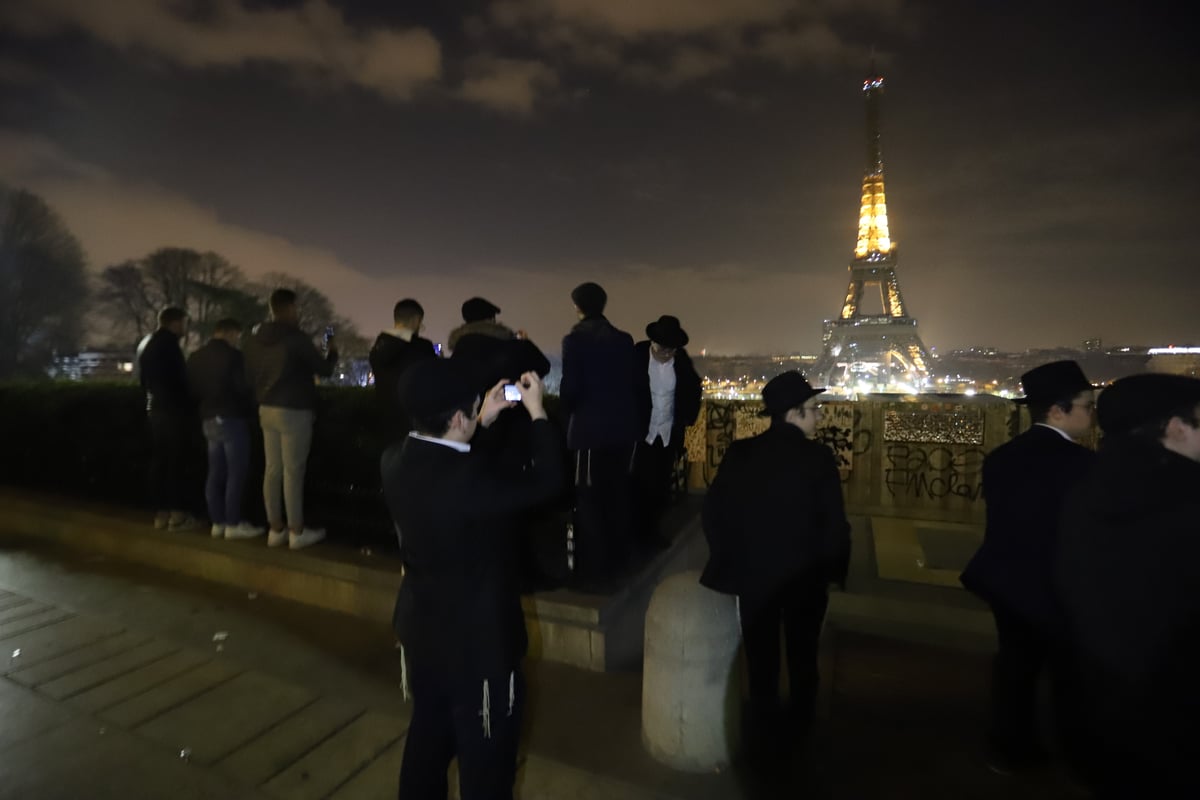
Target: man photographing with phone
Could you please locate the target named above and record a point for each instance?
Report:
(458, 614)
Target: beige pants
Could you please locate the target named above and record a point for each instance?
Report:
(287, 438)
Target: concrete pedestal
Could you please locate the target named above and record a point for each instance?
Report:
(691, 693)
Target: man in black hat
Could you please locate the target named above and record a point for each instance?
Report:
(1025, 482)
(598, 398)
(1129, 582)
(668, 398)
(458, 614)
(778, 536)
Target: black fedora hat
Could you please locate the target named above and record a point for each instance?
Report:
(477, 309)
(1141, 400)
(1049, 383)
(435, 385)
(787, 391)
(667, 333)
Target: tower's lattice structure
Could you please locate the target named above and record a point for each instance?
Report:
(873, 344)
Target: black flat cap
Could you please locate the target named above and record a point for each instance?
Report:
(477, 309)
(787, 391)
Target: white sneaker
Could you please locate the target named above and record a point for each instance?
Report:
(184, 522)
(308, 536)
(218, 531)
(243, 530)
(277, 538)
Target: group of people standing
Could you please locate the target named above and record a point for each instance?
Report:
(225, 388)
(1091, 566)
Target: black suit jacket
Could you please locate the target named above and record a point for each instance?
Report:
(773, 512)
(459, 606)
(1025, 482)
(687, 393)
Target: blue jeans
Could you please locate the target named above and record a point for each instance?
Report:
(228, 462)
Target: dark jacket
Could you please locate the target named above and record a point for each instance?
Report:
(390, 356)
(217, 376)
(596, 391)
(1025, 482)
(281, 361)
(459, 607)
(774, 512)
(687, 392)
(495, 353)
(1129, 581)
(162, 372)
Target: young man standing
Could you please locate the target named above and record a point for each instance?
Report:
(458, 613)
(394, 351)
(162, 371)
(1129, 582)
(778, 536)
(217, 374)
(281, 362)
(1025, 482)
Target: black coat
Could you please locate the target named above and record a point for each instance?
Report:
(1025, 482)
(1129, 579)
(687, 392)
(596, 391)
(773, 512)
(217, 376)
(390, 356)
(459, 606)
(163, 374)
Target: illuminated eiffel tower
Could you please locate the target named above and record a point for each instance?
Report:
(873, 347)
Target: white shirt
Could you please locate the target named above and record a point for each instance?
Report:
(662, 400)
(461, 447)
(1056, 430)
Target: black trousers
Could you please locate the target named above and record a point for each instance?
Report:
(653, 465)
(170, 435)
(453, 718)
(603, 515)
(1023, 653)
(800, 606)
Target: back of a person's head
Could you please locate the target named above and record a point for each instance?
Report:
(171, 314)
(590, 298)
(408, 312)
(282, 300)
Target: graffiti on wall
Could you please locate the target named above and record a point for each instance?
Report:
(933, 471)
(958, 426)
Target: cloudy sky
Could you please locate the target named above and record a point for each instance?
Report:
(696, 157)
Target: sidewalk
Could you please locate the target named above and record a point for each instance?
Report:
(124, 688)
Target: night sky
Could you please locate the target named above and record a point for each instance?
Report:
(696, 157)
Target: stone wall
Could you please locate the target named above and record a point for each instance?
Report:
(900, 455)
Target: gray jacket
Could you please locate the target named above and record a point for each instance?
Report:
(281, 361)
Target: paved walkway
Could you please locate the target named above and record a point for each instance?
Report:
(116, 681)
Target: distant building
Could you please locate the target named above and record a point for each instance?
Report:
(1175, 360)
(94, 365)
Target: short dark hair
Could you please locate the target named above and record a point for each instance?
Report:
(281, 299)
(408, 311)
(437, 424)
(227, 325)
(171, 314)
(1039, 412)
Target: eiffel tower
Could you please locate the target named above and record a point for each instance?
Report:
(873, 347)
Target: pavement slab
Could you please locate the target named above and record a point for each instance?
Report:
(25, 715)
(43, 618)
(54, 640)
(169, 694)
(137, 681)
(337, 759)
(39, 672)
(231, 714)
(275, 750)
(101, 672)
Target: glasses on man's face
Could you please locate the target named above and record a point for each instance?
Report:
(815, 406)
